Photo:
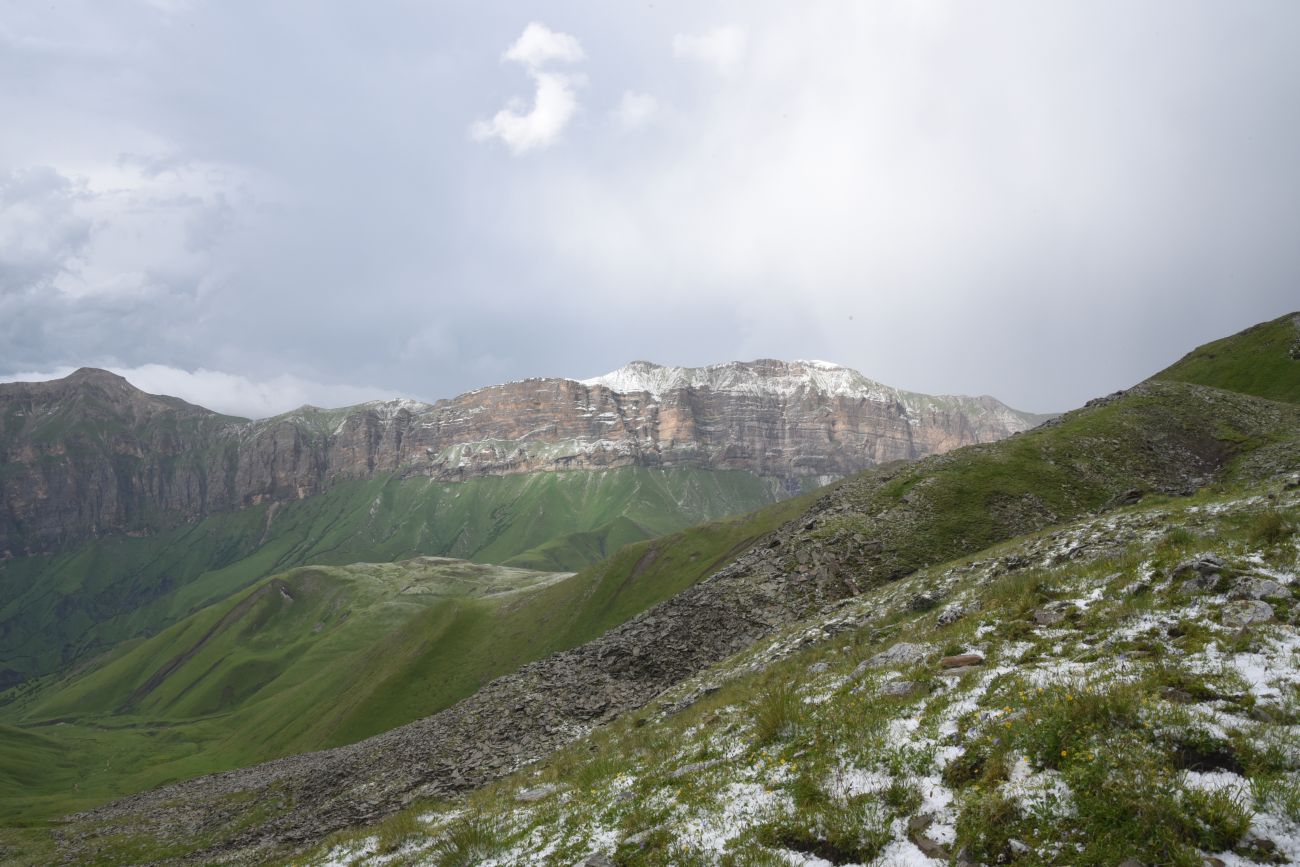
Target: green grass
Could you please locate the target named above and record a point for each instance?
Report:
(1102, 733)
(321, 656)
(947, 506)
(68, 608)
(1257, 361)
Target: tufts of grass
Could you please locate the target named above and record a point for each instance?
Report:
(1276, 792)
(1270, 528)
(778, 713)
(848, 832)
(987, 823)
(1218, 818)
(397, 830)
(467, 842)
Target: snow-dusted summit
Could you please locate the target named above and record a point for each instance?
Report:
(765, 376)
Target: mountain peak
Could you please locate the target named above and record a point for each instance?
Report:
(96, 375)
(761, 376)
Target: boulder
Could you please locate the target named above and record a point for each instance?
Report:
(1205, 564)
(900, 688)
(536, 793)
(1200, 584)
(1256, 588)
(951, 614)
(1050, 615)
(923, 601)
(903, 653)
(1245, 613)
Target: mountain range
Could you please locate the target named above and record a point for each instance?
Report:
(90, 454)
(312, 624)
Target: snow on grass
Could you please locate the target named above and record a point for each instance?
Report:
(713, 785)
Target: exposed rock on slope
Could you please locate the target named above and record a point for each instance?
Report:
(885, 524)
(90, 454)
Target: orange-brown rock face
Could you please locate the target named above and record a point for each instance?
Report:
(90, 454)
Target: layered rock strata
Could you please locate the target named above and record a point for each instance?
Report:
(90, 454)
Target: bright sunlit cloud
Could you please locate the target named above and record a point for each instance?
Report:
(524, 127)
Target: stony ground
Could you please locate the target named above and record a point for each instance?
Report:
(1124, 687)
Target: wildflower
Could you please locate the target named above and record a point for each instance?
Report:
(1064, 753)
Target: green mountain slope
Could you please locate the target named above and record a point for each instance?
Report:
(320, 656)
(1159, 443)
(1262, 360)
(62, 609)
(1109, 706)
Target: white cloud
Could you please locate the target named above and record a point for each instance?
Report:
(227, 392)
(554, 105)
(539, 45)
(636, 110)
(722, 47)
(555, 102)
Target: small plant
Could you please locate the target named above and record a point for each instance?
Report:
(1277, 793)
(986, 824)
(467, 842)
(902, 796)
(597, 770)
(852, 831)
(1270, 528)
(397, 830)
(752, 854)
(778, 713)
(1221, 818)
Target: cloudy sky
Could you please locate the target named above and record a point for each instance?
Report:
(259, 204)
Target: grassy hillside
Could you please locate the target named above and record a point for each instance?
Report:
(1162, 440)
(320, 656)
(1262, 360)
(67, 608)
(1107, 710)
(1193, 456)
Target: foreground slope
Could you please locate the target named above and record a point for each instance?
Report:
(1122, 687)
(1160, 438)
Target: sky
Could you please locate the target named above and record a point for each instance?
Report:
(256, 204)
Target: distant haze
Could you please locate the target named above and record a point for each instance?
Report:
(256, 205)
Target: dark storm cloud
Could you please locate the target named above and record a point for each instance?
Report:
(1041, 201)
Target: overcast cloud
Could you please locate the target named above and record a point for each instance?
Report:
(258, 204)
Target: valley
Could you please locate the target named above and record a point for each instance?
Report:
(837, 563)
(387, 686)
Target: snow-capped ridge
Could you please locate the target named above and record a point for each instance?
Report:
(762, 376)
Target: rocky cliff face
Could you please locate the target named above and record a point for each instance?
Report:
(90, 454)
